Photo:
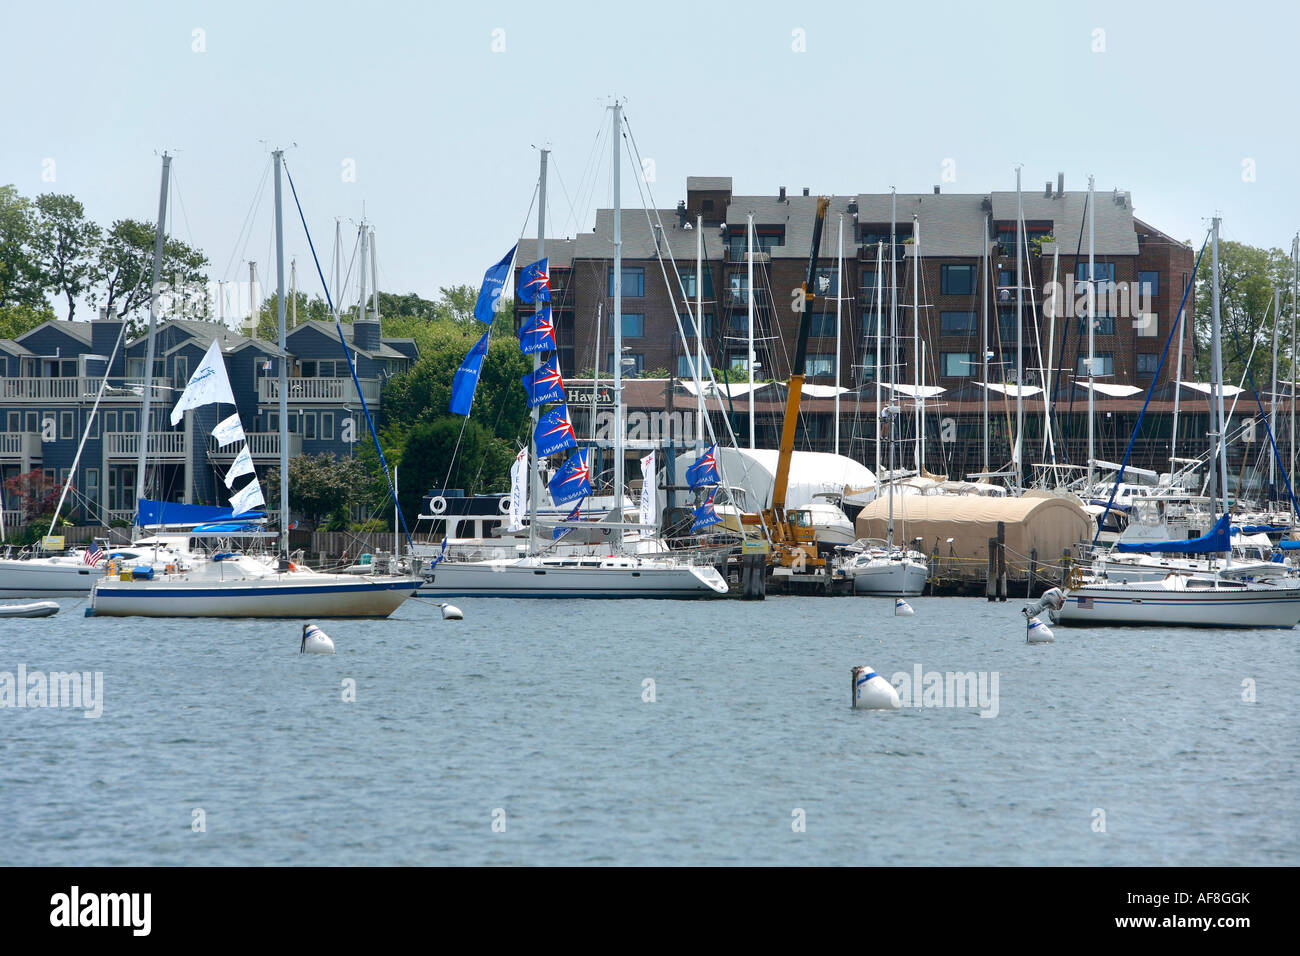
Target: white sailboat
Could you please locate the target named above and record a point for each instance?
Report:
(617, 575)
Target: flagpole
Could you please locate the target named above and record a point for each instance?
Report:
(535, 482)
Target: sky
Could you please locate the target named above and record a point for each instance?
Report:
(427, 117)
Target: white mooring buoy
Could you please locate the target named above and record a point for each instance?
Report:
(451, 612)
(902, 609)
(872, 692)
(1036, 632)
(315, 641)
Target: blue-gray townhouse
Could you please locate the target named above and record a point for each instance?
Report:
(50, 375)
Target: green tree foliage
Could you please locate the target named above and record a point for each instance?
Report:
(1247, 277)
(67, 245)
(123, 273)
(17, 319)
(320, 486)
(481, 462)
(309, 308)
(21, 283)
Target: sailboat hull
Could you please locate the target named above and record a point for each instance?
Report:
(573, 579)
(278, 599)
(60, 577)
(1157, 605)
(890, 579)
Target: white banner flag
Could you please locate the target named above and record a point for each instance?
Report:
(228, 430)
(247, 498)
(208, 384)
(518, 490)
(648, 500)
(243, 465)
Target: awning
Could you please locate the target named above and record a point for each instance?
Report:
(1111, 389)
(912, 391)
(1204, 388)
(1026, 391)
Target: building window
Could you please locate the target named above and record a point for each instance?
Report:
(826, 284)
(92, 484)
(958, 323)
(309, 426)
(1104, 325)
(129, 420)
(1007, 324)
(766, 238)
(633, 281)
(633, 363)
(688, 323)
(1104, 272)
(66, 426)
(738, 290)
(957, 280)
(1149, 282)
(820, 365)
(633, 325)
(1147, 326)
(1103, 364)
(1147, 362)
(15, 421)
(823, 325)
(957, 364)
(687, 274)
(327, 426)
(686, 367)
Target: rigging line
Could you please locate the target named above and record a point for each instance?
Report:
(1078, 345)
(245, 230)
(365, 407)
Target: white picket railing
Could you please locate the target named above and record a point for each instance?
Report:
(161, 444)
(260, 445)
(318, 390)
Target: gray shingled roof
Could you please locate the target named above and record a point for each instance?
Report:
(13, 348)
(797, 214)
(1114, 234)
(951, 224)
(559, 251)
(708, 183)
(638, 237)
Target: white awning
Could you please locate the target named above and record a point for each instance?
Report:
(911, 391)
(1111, 389)
(1026, 391)
(823, 391)
(723, 390)
(1204, 388)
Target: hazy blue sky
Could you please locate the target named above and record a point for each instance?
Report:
(442, 127)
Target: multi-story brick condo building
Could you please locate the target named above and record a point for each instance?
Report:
(50, 375)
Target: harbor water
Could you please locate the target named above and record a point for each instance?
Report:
(651, 732)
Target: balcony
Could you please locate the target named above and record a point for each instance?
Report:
(739, 298)
(260, 445)
(335, 390)
(79, 389)
(161, 445)
(20, 446)
(742, 256)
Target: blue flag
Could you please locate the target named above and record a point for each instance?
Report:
(544, 385)
(537, 334)
(574, 515)
(554, 432)
(535, 282)
(705, 469)
(705, 515)
(494, 283)
(573, 480)
(466, 380)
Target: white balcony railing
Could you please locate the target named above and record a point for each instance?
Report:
(77, 389)
(260, 445)
(318, 390)
(161, 445)
(20, 445)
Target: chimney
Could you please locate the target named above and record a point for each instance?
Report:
(1060, 185)
(1047, 190)
(366, 334)
(805, 190)
(782, 194)
(936, 190)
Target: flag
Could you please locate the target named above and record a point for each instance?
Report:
(554, 432)
(518, 490)
(242, 465)
(466, 380)
(705, 515)
(247, 498)
(494, 283)
(228, 430)
(292, 525)
(573, 480)
(705, 469)
(544, 385)
(535, 282)
(537, 334)
(93, 555)
(208, 384)
(574, 515)
(648, 502)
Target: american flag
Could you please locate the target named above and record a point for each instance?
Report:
(94, 555)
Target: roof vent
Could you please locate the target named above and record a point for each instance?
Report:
(1060, 185)
(782, 195)
(936, 190)
(805, 190)
(1047, 190)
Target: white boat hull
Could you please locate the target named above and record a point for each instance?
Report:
(531, 578)
(1157, 605)
(890, 579)
(43, 577)
(280, 598)
(35, 609)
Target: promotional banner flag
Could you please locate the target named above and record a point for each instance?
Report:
(573, 480)
(537, 334)
(243, 465)
(518, 491)
(208, 384)
(554, 432)
(705, 469)
(494, 283)
(574, 515)
(466, 380)
(648, 501)
(228, 430)
(544, 385)
(246, 498)
(705, 515)
(535, 282)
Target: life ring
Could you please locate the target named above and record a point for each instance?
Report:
(504, 505)
(438, 504)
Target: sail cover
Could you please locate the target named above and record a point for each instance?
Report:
(152, 514)
(1215, 541)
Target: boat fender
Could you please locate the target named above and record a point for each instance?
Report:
(438, 504)
(451, 612)
(504, 505)
(873, 692)
(315, 641)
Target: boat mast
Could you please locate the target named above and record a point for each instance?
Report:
(699, 320)
(1272, 405)
(1295, 303)
(918, 414)
(1216, 380)
(1092, 323)
(595, 373)
(1178, 391)
(1017, 451)
(617, 146)
(880, 279)
(535, 473)
(284, 361)
(158, 235)
(839, 298)
(749, 359)
(984, 352)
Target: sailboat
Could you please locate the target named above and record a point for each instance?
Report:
(540, 575)
(1222, 597)
(231, 583)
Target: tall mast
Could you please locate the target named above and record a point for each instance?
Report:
(374, 276)
(1092, 324)
(1295, 304)
(158, 235)
(293, 292)
(984, 350)
(699, 320)
(1178, 391)
(1216, 377)
(749, 360)
(284, 361)
(535, 473)
(839, 298)
(617, 146)
(916, 339)
(365, 257)
(880, 279)
(1272, 405)
(595, 373)
(1018, 452)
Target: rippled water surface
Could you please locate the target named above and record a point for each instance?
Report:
(531, 714)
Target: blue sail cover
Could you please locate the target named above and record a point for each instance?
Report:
(152, 513)
(1215, 541)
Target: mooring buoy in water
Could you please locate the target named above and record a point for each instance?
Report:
(1036, 632)
(902, 609)
(873, 692)
(315, 641)
(451, 612)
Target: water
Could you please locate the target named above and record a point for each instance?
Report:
(535, 709)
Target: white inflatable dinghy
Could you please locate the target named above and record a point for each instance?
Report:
(35, 609)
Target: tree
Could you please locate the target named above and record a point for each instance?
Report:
(20, 275)
(268, 318)
(123, 271)
(35, 493)
(320, 486)
(438, 454)
(67, 245)
(1247, 277)
(17, 319)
